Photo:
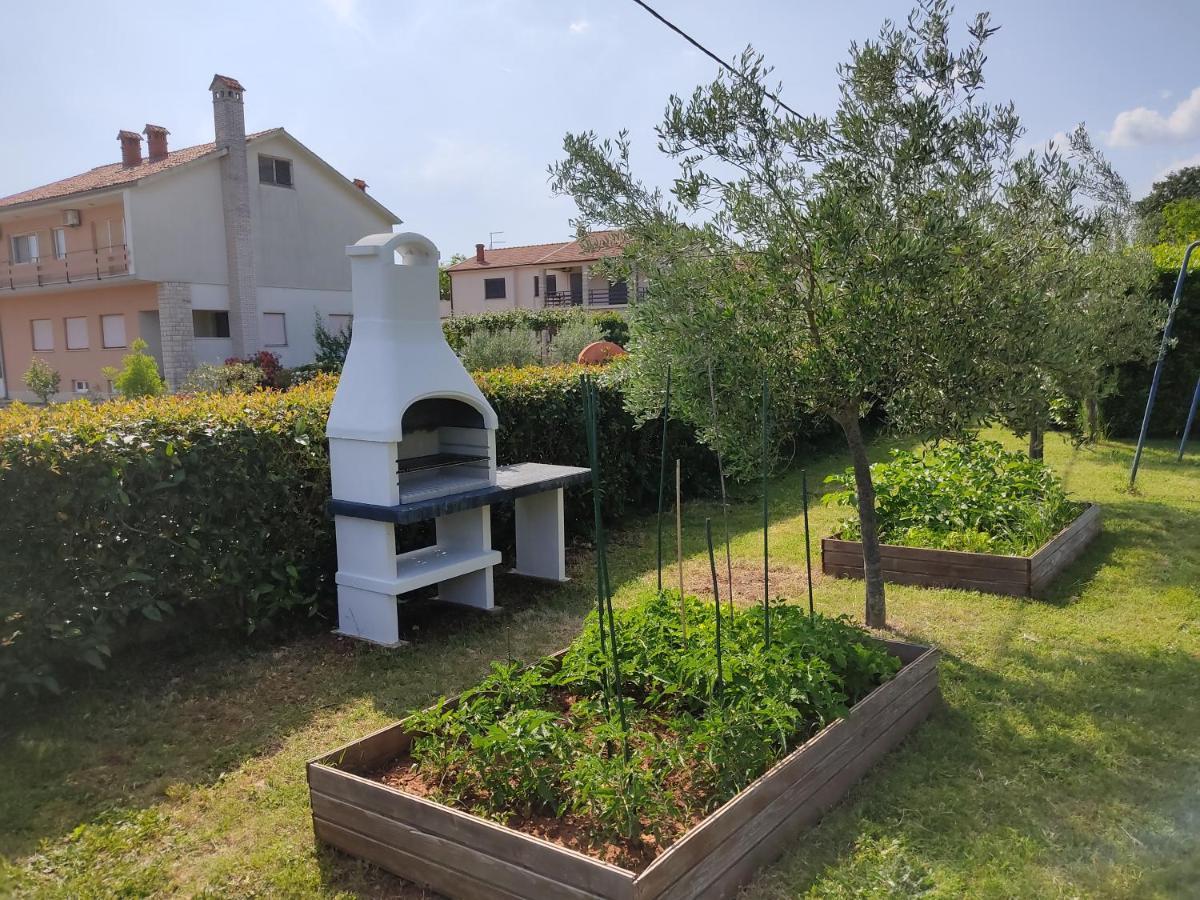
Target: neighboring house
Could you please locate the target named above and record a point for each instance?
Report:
(207, 252)
(536, 276)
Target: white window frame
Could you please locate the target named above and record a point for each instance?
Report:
(87, 336)
(274, 179)
(109, 317)
(282, 325)
(33, 332)
(16, 257)
(58, 242)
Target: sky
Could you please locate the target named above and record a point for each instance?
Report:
(452, 110)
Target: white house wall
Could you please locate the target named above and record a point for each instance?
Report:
(176, 226)
(300, 307)
(301, 232)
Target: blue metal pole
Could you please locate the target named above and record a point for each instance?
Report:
(1162, 355)
(1187, 429)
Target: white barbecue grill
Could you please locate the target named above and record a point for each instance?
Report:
(412, 438)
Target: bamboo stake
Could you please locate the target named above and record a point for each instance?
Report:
(588, 429)
(712, 393)
(766, 520)
(662, 473)
(679, 552)
(807, 542)
(712, 565)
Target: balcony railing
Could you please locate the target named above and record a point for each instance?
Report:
(616, 295)
(72, 267)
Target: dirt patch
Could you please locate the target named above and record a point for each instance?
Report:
(787, 581)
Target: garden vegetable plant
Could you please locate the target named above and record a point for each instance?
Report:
(972, 496)
(542, 742)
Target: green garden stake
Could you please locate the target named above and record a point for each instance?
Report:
(662, 472)
(766, 556)
(712, 393)
(807, 542)
(712, 565)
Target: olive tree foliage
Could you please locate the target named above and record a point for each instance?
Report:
(1064, 224)
(837, 256)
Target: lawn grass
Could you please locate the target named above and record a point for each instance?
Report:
(1066, 764)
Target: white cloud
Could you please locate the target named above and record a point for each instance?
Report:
(345, 11)
(1178, 164)
(579, 26)
(1136, 127)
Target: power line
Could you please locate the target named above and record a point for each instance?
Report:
(695, 43)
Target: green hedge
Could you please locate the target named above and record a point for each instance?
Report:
(210, 510)
(612, 324)
(1122, 411)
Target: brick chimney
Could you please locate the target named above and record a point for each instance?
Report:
(360, 184)
(131, 147)
(156, 141)
(229, 126)
(479, 258)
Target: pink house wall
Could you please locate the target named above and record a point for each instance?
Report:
(16, 332)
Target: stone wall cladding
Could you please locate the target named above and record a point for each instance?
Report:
(177, 332)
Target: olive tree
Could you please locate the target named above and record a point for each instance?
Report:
(840, 256)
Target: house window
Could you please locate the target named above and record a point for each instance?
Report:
(535, 285)
(339, 323)
(551, 284)
(24, 248)
(275, 171)
(493, 289)
(77, 333)
(60, 242)
(112, 331)
(210, 323)
(81, 387)
(43, 334)
(274, 330)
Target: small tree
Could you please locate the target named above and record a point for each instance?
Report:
(332, 347)
(572, 337)
(835, 256)
(42, 379)
(444, 287)
(138, 376)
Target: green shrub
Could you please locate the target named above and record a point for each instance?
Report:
(613, 325)
(497, 349)
(42, 379)
(138, 376)
(973, 496)
(1121, 412)
(213, 507)
(230, 378)
(571, 338)
(331, 346)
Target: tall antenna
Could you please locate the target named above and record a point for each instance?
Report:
(492, 239)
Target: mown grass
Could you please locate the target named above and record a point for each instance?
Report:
(1066, 762)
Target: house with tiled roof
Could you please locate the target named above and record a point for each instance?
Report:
(560, 274)
(206, 252)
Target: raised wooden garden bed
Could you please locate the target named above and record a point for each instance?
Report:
(1019, 576)
(464, 856)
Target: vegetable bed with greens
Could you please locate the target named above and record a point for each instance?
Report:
(974, 496)
(543, 748)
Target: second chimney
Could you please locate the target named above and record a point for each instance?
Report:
(479, 254)
(156, 142)
(360, 184)
(131, 147)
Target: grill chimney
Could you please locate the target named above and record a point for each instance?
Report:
(131, 147)
(156, 141)
(479, 254)
(360, 184)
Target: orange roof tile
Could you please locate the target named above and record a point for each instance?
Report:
(113, 174)
(602, 244)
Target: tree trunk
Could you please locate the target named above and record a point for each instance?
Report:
(876, 612)
(1093, 418)
(1037, 442)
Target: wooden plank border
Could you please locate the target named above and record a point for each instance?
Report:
(1018, 576)
(465, 856)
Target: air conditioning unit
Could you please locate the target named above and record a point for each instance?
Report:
(71, 217)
